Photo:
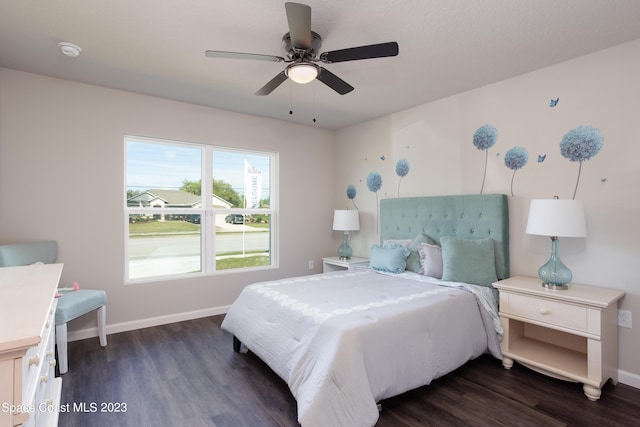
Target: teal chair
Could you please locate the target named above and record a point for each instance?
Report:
(71, 304)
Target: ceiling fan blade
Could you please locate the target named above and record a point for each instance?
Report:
(381, 50)
(299, 18)
(240, 55)
(273, 83)
(334, 82)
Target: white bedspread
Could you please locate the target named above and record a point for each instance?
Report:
(345, 340)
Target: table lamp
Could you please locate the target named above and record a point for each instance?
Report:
(346, 220)
(556, 218)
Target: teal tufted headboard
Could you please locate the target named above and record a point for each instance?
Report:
(463, 217)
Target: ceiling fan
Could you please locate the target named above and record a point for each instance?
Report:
(302, 46)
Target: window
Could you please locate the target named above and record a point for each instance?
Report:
(196, 209)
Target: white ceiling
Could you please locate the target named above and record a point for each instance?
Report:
(156, 47)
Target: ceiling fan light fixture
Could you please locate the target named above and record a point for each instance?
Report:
(303, 72)
(302, 46)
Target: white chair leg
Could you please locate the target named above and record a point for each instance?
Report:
(102, 322)
(61, 342)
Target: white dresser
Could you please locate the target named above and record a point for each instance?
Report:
(29, 392)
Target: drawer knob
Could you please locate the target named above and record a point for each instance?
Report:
(544, 311)
(52, 362)
(34, 360)
(49, 353)
(44, 379)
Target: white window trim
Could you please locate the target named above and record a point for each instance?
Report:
(207, 216)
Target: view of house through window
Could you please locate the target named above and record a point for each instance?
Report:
(194, 208)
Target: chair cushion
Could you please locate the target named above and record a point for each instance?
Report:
(77, 303)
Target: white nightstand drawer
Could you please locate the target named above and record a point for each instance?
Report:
(546, 311)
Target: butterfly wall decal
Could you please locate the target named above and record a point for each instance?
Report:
(554, 102)
(541, 157)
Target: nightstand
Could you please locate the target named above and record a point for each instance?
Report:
(334, 263)
(567, 334)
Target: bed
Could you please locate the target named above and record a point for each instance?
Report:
(343, 341)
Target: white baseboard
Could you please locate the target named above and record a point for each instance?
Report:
(629, 379)
(146, 323)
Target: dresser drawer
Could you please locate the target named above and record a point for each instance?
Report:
(546, 311)
(31, 367)
(38, 369)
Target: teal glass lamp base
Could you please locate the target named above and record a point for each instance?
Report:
(344, 250)
(554, 274)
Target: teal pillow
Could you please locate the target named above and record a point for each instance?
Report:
(390, 258)
(413, 260)
(468, 261)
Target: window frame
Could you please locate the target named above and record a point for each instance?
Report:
(207, 216)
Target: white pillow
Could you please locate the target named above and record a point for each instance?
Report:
(431, 260)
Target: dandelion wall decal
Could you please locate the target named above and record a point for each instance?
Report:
(515, 159)
(402, 169)
(580, 144)
(484, 138)
(374, 183)
(351, 194)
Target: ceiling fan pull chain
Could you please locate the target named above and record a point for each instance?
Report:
(290, 99)
(314, 103)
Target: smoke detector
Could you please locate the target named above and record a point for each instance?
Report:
(69, 49)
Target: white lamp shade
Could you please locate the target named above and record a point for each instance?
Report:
(557, 217)
(346, 220)
(302, 73)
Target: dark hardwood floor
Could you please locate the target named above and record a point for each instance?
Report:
(187, 374)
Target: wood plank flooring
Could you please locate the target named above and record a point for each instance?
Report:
(187, 374)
